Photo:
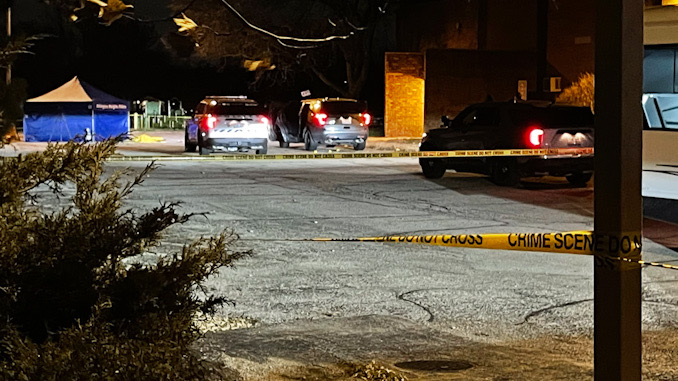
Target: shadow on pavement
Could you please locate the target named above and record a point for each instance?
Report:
(548, 192)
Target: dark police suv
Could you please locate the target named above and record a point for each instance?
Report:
(514, 125)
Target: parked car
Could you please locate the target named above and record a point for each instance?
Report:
(328, 121)
(513, 125)
(227, 124)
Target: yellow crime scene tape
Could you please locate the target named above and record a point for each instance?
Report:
(574, 242)
(647, 263)
(376, 155)
(578, 242)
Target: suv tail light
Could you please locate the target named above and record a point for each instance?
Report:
(321, 118)
(536, 137)
(367, 119)
(210, 122)
(263, 119)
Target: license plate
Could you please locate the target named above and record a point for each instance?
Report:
(230, 130)
(578, 138)
(575, 142)
(345, 120)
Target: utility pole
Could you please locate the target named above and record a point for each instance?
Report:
(618, 201)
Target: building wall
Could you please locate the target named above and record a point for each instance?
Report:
(661, 25)
(437, 24)
(571, 36)
(404, 95)
(511, 25)
(457, 78)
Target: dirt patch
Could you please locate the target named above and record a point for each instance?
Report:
(370, 352)
(394, 145)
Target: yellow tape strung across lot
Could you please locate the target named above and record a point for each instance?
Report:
(646, 263)
(575, 242)
(575, 152)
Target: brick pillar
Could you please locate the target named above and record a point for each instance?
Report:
(404, 93)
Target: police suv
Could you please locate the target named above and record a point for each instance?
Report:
(227, 124)
(514, 125)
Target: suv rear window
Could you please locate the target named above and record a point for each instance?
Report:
(344, 107)
(553, 116)
(234, 108)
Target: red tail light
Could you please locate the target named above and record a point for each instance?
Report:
(263, 119)
(536, 137)
(321, 118)
(210, 122)
(367, 119)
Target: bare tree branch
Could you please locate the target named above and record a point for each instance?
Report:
(278, 37)
(297, 46)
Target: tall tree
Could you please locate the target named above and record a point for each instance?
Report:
(12, 94)
(331, 39)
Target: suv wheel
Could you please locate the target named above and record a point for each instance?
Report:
(188, 146)
(579, 179)
(505, 173)
(203, 150)
(283, 143)
(309, 143)
(359, 146)
(280, 138)
(433, 168)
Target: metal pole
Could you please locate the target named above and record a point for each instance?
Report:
(618, 202)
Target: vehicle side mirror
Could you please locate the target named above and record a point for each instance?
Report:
(446, 121)
(449, 123)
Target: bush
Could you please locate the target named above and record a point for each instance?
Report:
(73, 304)
(580, 93)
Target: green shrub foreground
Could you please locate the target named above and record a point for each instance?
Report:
(71, 308)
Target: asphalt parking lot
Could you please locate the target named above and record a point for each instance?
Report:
(310, 304)
(395, 297)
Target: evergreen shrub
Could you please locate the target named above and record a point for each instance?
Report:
(74, 303)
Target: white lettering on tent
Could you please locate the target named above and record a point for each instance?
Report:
(111, 107)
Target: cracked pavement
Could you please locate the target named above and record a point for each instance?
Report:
(471, 295)
(321, 303)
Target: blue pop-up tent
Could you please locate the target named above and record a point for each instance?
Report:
(75, 110)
